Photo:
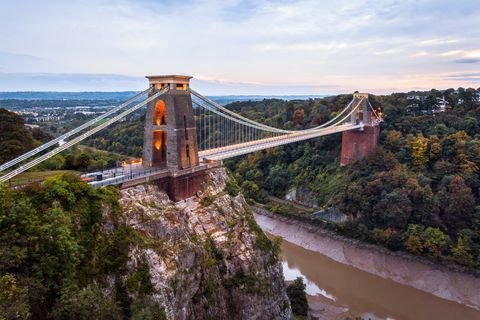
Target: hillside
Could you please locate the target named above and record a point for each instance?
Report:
(69, 251)
(418, 192)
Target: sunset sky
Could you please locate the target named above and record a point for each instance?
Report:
(240, 47)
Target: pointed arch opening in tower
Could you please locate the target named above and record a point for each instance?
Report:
(160, 115)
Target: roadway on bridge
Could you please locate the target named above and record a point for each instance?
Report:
(252, 146)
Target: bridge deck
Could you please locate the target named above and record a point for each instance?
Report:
(252, 146)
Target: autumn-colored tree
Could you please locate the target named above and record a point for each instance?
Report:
(414, 243)
(419, 146)
(435, 148)
(393, 140)
(298, 116)
(465, 165)
(13, 298)
(454, 143)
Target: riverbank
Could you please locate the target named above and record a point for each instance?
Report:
(437, 280)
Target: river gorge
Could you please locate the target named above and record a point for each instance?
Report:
(347, 279)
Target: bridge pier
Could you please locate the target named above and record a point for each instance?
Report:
(358, 144)
(182, 187)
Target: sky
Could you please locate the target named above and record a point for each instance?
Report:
(240, 47)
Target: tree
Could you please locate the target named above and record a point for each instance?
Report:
(55, 253)
(462, 251)
(13, 299)
(87, 303)
(250, 190)
(15, 138)
(70, 162)
(413, 242)
(435, 241)
(84, 161)
(418, 146)
(458, 204)
(393, 140)
(435, 148)
(470, 125)
(298, 297)
(278, 180)
(298, 116)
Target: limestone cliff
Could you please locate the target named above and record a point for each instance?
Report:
(303, 195)
(206, 256)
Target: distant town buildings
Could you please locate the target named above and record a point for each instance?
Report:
(420, 105)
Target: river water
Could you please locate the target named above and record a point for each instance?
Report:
(345, 280)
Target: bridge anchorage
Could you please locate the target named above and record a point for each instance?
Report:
(187, 134)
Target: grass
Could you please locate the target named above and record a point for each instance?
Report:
(28, 177)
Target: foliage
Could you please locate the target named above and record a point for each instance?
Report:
(232, 187)
(13, 298)
(15, 138)
(298, 297)
(56, 255)
(424, 174)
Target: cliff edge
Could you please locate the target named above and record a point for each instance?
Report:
(206, 256)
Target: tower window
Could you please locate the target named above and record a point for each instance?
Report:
(180, 86)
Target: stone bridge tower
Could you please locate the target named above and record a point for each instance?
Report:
(170, 139)
(358, 144)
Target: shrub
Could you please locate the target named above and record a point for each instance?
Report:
(298, 297)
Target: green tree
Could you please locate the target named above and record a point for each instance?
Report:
(278, 180)
(84, 161)
(462, 252)
(298, 297)
(393, 140)
(15, 138)
(435, 241)
(85, 304)
(458, 204)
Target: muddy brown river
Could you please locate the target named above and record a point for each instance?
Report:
(346, 280)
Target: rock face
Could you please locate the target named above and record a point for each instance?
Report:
(302, 195)
(207, 257)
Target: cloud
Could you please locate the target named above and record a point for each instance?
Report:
(467, 60)
(69, 82)
(434, 42)
(305, 44)
(467, 76)
(421, 54)
(388, 51)
(451, 53)
(18, 62)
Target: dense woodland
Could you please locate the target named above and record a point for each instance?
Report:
(60, 253)
(418, 192)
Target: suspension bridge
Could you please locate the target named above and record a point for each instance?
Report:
(187, 133)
